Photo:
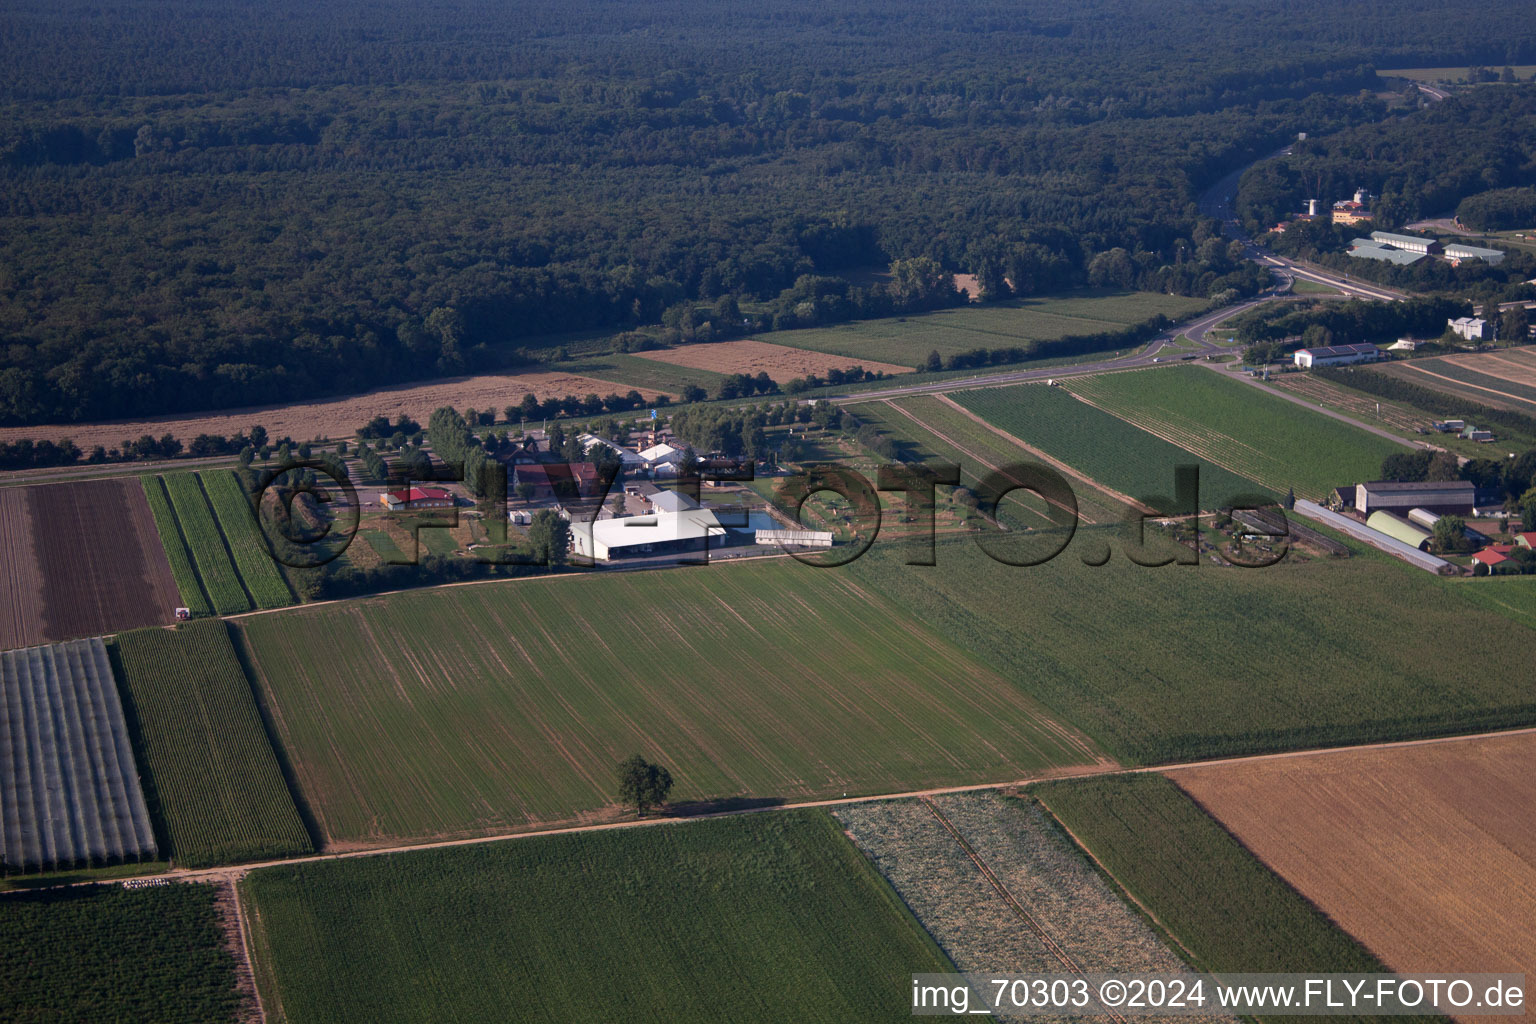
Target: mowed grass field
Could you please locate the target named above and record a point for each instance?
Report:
(1184, 662)
(1420, 852)
(1224, 909)
(1106, 448)
(764, 917)
(638, 372)
(908, 340)
(1256, 435)
(507, 706)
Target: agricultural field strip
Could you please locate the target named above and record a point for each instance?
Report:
(1263, 437)
(1503, 391)
(237, 520)
(74, 791)
(21, 581)
(1202, 887)
(1110, 503)
(216, 777)
(201, 530)
(526, 733)
(177, 554)
(1315, 389)
(1104, 768)
(1109, 450)
(969, 474)
(1414, 851)
(108, 955)
(778, 917)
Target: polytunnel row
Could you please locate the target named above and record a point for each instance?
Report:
(69, 788)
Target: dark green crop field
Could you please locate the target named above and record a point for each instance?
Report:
(214, 776)
(763, 917)
(108, 955)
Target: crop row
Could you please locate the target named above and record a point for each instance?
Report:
(215, 776)
(1488, 383)
(106, 954)
(1259, 435)
(238, 520)
(1228, 910)
(175, 545)
(198, 526)
(1106, 448)
(751, 918)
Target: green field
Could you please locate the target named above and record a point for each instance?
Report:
(1248, 431)
(214, 567)
(108, 955)
(1106, 448)
(187, 582)
(973, 448)
(908, 340)
(385, 546)
(1185, 662)
(1483, 388)
(1302, 286)
(764, 917)
(1513, 597)
(210, 769)
(1229, 912)
(238, 521)
(508, 705)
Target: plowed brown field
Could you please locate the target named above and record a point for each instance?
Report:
(81, 559)
(1425, 853)
(780, 362)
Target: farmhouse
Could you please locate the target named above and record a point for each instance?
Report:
(1491, 556)
(1447, 497)
(1335, 355)
(628, 458)
(662, 459)
(417, 497)
(558, 480)
(1399, 529)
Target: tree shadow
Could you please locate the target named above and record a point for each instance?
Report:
(724, 805)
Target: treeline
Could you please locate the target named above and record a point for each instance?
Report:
(1501, 209)
(273, 204)
(742, 432)
(1280, 328)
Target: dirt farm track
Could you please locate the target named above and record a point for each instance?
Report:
(81, 559)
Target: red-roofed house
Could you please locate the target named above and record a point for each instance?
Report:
(417, 497)
(1492, 555)
(1527, 539)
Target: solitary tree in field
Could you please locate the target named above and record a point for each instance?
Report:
(642, 784)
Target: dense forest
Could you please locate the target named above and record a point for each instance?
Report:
(217, 203)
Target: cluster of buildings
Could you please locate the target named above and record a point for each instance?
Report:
(1406, 250)
(1400, 518)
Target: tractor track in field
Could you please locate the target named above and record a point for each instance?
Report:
(1103, 766)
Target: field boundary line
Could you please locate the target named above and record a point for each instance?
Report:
(1056, 464)
(229, 549)
(1188, 954)
(1524, 402)
(961, 448)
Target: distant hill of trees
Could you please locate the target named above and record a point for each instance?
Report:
(205, 205)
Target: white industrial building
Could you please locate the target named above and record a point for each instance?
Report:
(628, 458)
(604, 540)
(1336, 355)
(1456, 252)
(1407, 243)
(1472, 328)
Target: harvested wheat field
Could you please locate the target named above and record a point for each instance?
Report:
(337, 417)
(753, 357)
(1426, 853)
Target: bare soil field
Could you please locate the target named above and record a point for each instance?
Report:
(82, 559)
(753, 357)
(336, 417)
(1426, 854)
